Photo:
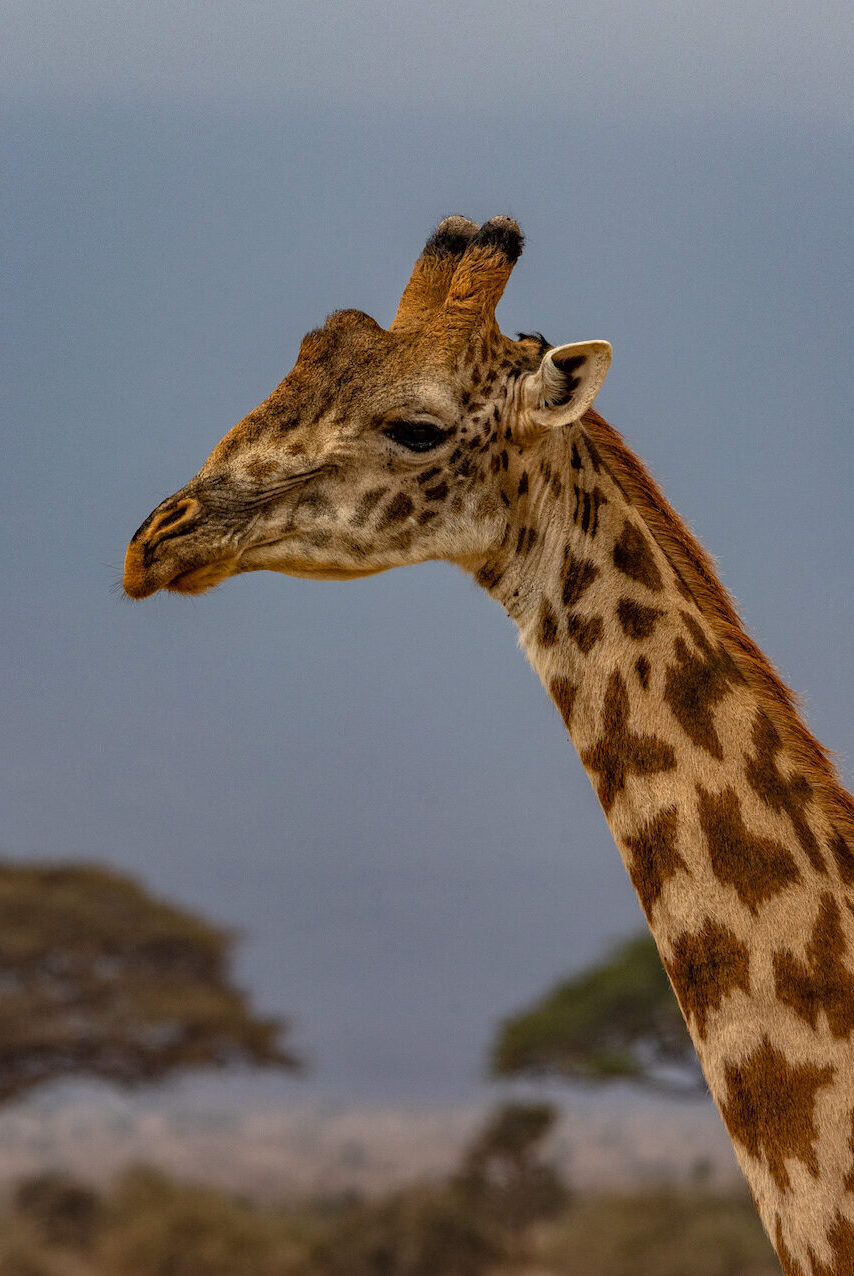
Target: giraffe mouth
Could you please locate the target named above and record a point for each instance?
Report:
(181, 547)
(142, 579)
(199, 579)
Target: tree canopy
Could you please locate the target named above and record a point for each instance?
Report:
(100, 979)
(616, 1021)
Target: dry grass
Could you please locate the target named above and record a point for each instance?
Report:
(150, 1225)
(665, 1233)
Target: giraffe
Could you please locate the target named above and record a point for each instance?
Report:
(442, 438)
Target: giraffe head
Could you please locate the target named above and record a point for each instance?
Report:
(381, 447)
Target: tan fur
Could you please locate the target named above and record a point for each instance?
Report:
(695, 567)
(432, 274)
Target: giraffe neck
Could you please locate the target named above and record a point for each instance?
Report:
(726, 812)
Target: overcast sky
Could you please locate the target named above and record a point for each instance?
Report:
(662, 57)
(367, 778)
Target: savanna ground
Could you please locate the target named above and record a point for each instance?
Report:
(147, 1224)
(100, 979)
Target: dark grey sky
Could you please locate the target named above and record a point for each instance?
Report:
(366, 777)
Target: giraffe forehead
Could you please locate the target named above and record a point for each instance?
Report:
(351, 373)
(351, 341)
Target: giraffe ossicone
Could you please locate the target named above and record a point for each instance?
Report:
(442, 438)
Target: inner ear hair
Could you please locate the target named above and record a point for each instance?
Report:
(561, 378)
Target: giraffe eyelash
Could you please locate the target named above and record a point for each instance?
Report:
(416, 436)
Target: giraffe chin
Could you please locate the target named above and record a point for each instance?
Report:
(330, 573)
(200, 579)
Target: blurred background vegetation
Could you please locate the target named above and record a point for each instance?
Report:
(617, 1021)
(99, 979)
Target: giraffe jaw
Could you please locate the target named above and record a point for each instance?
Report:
(327, 573)
(199, 579)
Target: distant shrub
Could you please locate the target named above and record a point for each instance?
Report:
(20, 1261)
(416, 1233)
(62, 1210)
(503, 1177)
(158, 1227)
(671, 1233)
(151, 1225)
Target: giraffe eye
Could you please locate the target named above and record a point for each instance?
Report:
(418, 436)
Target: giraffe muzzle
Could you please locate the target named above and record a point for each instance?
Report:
(147, 567)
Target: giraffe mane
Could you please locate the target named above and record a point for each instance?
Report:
(696, 570)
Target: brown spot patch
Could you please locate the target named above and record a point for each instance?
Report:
(593, 453)
(770, 1108)
(757, 867)
(547, 625)
(578, 575)
(587, 505)
(526, 540)
(620, 752)
(840, 1238)
(316, 504)
(633, 557)
(643, 670)
(590, 520)
(654, 856)
(706, 966)
(822, 982)
(366, 505)
(844, 857)
(398, 508)
(260, 468)
(636, 620)
(696, 684)
(585, 633)
(780, 794)
(848, 1181)
(437, 493)
(788, 1264)
(489, 575)
(563, 692)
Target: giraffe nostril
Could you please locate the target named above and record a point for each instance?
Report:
(173, 518)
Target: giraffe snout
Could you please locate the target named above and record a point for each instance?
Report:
(143, 566)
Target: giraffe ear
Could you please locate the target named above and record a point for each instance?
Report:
(566, 382)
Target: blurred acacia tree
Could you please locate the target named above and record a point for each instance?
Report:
(503, 1176)
(616, 1021)
(100, 979)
